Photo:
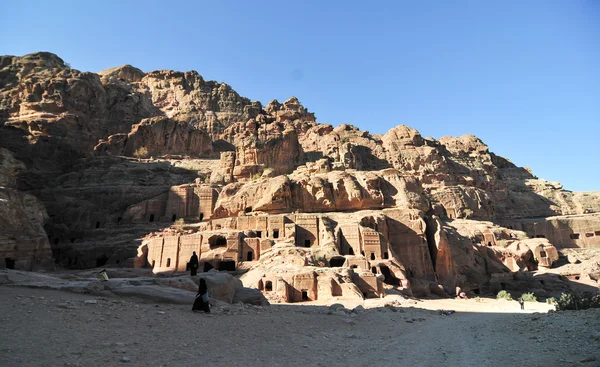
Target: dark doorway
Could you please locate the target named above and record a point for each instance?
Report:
(151, 217)
(217, 241)
(476, 291)
(207, 267)
(389, 278)
(305, 295)
(374, 270)
(153, 263)
(372, 256)
(386, 255)
(226, 265)
(97, 224)
(10, 263)
(337, 261)
(306, 243)
(543, 253)
(248, 209)
(350, 250)
(249, 256)
(101, 261)
(268, 286)
(201, 216)
(119, 220)
(275, 233)
(259, 234)
(168, 262)
(174, 217)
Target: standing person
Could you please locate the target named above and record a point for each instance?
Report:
(201, 302)
(522, 303)
(194, 264)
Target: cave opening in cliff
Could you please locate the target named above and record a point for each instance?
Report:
(305, 295)
(372, 256)
(386, 255)
(97, 224)
(10, 263)
(373, 270)
(543, 253)
(268, 286)
(56, 240)
(259, 234)
(151, 218)
(201, 217)
(275, 233)
(101, 261)
(431, 228)
(476, 291)
(119, 220)
(248, 209)
(336, 262)
(389, 278)
(249, 256)
(217, 241)
(174, 218)
(306, 243)
(350, 250)
(168, 262)
(226, 265)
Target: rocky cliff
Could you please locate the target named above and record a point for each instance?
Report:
(114, 156)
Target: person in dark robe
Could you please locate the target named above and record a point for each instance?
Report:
(522, 303)
(193, 264)
(201, 302)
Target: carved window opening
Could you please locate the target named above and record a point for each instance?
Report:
(543, 254)
(248, 209)
(589, 234)
(275, 233)
(217, 241)
(201, 217)
(574, 236)
(168, 262)
(269, 286)
(597, 233)
(372, 256)
(259, 234)
(374, 270)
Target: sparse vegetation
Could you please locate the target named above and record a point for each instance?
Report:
(255, 176)
(578, 301)
(478, 299)
(504, 295)
(179, 224)
(141, 152)
(528, 297)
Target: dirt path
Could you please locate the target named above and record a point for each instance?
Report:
(49, 328)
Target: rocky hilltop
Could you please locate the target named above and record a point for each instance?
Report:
(99, 168)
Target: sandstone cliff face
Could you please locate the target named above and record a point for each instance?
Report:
(407, 210)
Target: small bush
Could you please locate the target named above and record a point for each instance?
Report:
(141, 152)
(179, 224)
(528, 297)
(503, 295)
(578, 301)
(551, 301)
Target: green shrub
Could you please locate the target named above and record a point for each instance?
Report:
(551, 301)
(578, 301)
(528, 297)
(141, 152)
(503, 295)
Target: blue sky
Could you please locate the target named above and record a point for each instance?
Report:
(524, 76)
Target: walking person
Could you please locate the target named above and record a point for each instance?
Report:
(193, 264)
(201, 302)
(522, 303)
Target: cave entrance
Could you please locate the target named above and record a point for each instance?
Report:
(10, 263)
(543, 253)
(374, 270)
(226, 265)
(101, 261)
(268, 286)
(305, 295)
(431, 228)
(201, 217)
(151, 218)
(389, 278)
(275, 233)
(174, 217)
(249, 256)
(350, 250)
(372, 256)
(97, 224)
(306, 243)
(217, 241)
(207, 267)
(336, 262)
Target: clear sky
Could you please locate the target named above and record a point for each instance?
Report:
(524, 76)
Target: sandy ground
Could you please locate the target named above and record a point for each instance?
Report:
(51, 328)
